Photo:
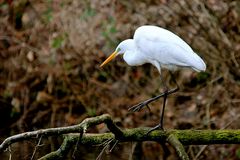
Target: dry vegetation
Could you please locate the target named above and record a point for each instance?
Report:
(50, 53)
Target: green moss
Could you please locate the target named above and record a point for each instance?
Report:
(238, 153)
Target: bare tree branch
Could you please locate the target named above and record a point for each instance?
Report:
(82, 127)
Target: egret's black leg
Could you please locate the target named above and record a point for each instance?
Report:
(165, 94)
(160, 125)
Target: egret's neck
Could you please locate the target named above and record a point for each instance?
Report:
(131, 54)
(134, 58)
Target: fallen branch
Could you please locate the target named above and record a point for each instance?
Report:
(186, 137)
(177, 138)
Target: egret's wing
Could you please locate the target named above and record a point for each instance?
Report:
(157, 34)
(166, 47)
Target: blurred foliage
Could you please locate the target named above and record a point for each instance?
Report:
(57, 41)
(50, 52)
(88, 13)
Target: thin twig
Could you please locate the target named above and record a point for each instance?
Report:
(35, 149)
(77, 144)
(104, 149)
(200, 152)
(114, 145)
(10, 153)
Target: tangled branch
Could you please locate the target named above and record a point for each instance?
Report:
(177, 138)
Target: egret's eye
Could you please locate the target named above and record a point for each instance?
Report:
(119, 49)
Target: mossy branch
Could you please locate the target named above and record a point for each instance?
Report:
(80, 128)
(186, 137)
(177, 138)
(173, 140)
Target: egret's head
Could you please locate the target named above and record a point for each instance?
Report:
(121, 49)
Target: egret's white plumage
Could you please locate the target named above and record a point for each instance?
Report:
(161, 48)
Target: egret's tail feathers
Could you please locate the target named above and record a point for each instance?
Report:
(199, 65)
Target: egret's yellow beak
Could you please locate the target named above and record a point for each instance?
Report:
(113, 55)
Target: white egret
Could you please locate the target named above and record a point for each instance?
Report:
(161, 48)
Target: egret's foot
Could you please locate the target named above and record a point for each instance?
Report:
(159, 126)
(139, 106)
